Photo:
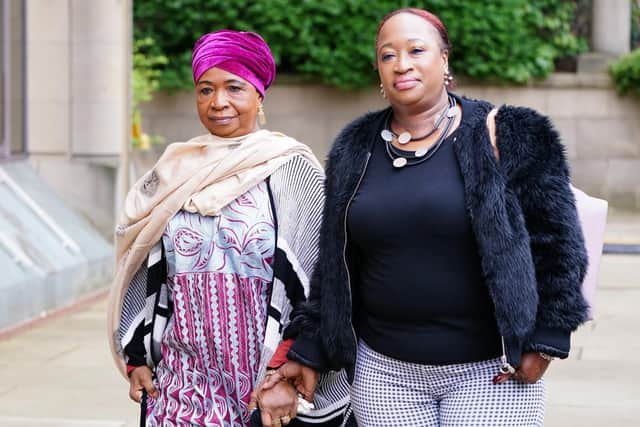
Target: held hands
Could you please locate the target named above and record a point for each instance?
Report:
(303, 378)
(278, 405)
(141, 379)
(532, 368)
(277, 395)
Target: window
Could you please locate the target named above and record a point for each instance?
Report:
(13, 73)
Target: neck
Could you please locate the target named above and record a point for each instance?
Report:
(417, 119)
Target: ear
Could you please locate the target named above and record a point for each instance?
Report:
(445, 59)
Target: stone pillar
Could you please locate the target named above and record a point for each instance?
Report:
(100, 41)
(78, 115)
(611, 27)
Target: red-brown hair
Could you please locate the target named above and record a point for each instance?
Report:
(427, 16)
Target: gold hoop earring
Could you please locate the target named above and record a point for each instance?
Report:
(382, 92)
(262, 119)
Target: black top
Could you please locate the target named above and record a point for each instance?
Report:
(422, 296)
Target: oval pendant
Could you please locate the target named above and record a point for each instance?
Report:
(404, 138)
(452, 112)
(400, 162)
(387, 135)
(421, 152)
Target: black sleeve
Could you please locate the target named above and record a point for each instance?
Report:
(557, 243)
(136, 354)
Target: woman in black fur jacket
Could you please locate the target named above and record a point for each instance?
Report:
(450, 269)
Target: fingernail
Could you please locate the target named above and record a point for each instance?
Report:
(499, 379)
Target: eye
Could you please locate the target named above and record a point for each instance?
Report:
(206, 91)
(416, 50)
(235, 89)
(386, 57)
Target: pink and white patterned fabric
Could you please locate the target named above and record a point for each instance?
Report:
(219, 272)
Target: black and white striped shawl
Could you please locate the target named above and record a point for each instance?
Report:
(297, 198)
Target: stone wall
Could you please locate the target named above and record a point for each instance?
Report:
(600, 129)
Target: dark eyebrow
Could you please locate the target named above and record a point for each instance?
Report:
(409, 40)
(230, 81)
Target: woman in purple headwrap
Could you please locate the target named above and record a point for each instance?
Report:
(215, 248)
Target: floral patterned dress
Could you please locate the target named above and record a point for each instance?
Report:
(219, 276)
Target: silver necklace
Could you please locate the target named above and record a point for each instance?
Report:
(405, 137)
(400, 159)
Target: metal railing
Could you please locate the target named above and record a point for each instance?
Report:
(19, 256)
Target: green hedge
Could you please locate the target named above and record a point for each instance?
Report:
(333, 40)
(626, 73)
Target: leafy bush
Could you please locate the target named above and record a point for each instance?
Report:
(333, 40)
(146, 70)
(144, 82)
(635, 24)
(626, 73)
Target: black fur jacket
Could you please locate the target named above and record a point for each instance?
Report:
(523, 216)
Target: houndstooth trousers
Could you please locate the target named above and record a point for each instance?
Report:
(389, 392)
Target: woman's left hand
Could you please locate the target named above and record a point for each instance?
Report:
(278, 405)
(532, 368)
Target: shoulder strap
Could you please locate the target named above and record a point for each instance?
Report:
(491, 125)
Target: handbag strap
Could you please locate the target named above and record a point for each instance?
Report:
(491, 126)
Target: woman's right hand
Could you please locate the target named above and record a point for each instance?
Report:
(302, 377)
(278, 405)
(141, 378)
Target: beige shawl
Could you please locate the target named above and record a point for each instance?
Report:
(202, 175)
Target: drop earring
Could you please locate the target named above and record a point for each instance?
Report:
(262, 119)
(382, 93)
(448, 78)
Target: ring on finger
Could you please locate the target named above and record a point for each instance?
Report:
(285, 420)
(276, 422)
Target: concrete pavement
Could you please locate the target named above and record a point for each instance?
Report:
(58, 372)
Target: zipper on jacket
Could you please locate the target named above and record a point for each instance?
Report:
(505, 367)
(344, 248)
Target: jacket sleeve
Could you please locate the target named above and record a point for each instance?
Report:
(297, 190)
(541, 179)
(308, 348)
(134, 349)
(142, 307)
(318, 316)
(326, 340)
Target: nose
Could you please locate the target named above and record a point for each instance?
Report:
(402, 64)
(218, 101)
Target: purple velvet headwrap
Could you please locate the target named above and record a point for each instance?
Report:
(244, 54)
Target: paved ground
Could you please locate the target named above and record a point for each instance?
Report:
(59, 372)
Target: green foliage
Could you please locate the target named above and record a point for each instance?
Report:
(626, 73)
(144, 82)
(635, 24)
(333, 40)
(146, 70)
